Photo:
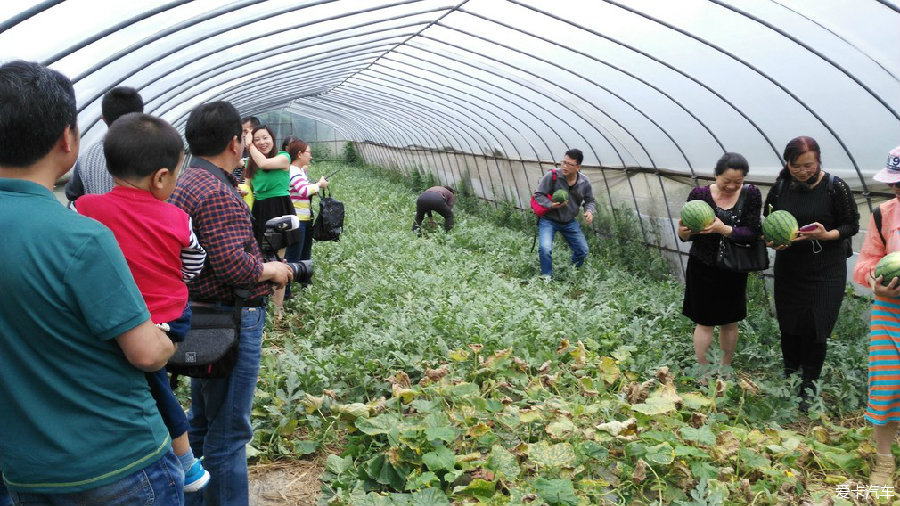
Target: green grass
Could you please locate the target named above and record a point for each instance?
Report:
(347, 372)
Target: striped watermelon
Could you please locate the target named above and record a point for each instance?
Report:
(889, 267)
(780, 227)
(697, 215)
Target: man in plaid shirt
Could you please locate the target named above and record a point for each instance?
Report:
(220, 408)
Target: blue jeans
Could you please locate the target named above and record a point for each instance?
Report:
(159, 484)
(301, 250)
(5, 498)
(573, 235)
(219, 419)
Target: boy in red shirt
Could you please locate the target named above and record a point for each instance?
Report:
(143, 154)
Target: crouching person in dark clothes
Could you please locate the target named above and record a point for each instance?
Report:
(437, 199)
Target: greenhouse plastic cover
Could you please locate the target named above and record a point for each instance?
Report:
(659, 84)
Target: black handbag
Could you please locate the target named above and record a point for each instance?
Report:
(210, 348)
(741, 256)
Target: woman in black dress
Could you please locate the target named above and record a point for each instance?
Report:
(811, 272)
(713, 296)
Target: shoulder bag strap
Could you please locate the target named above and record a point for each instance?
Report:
(876, 215)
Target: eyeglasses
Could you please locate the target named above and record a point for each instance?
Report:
(893, 185)
(569, 163)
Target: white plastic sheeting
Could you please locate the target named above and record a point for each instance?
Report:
(666, 84)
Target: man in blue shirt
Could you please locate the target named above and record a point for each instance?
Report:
(79, 425)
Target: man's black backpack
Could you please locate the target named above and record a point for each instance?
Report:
(329, 223)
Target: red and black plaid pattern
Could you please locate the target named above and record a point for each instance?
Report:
(222, 223)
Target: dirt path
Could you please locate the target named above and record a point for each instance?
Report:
(293, 483)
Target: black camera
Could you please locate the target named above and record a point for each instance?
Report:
(280, 233)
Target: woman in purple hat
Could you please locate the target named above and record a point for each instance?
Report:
(883, 409)
(810, 273)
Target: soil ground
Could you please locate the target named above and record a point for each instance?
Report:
(290, 483)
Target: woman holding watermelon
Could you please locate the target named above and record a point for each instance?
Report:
(714, 297)
(883, 409)
(811, 269)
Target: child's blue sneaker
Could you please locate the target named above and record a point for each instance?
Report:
(196, 477)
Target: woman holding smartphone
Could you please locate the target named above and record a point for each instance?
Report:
(811, 272)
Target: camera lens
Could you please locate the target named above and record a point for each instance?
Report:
(303, 271)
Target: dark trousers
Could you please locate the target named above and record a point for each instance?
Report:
(301, 250)
(432, 201)
(171, 411)
(803, 352)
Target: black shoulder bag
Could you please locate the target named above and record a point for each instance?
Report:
(210, 348)
(741, 256)
(329, 223)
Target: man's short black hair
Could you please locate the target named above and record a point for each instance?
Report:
(210, 127)
(575, 154)
(36, 106)
(137, 145)
(253, 120)
(120, 101)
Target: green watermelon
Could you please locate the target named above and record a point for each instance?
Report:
(889, 267)
(560, 196)
(780, 227)
(697, 215)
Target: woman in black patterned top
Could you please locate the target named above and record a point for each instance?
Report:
(713, 296)
(810, 273)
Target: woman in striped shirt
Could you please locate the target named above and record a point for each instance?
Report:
(883, 409)
(301, 192)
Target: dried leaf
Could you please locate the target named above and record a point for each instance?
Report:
(616, 427)
(400, 379)
(609, 371)
(549, 380)
(579, 356)
(437, 374)
(663, 375)
(640, 472)
(544, 367)
(520, 364)
(720, 387)
(636, 393)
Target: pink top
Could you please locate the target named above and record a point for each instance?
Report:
(151, 234)
(873, 249)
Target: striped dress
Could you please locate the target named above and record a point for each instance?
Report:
(884, 362)
(884, 335)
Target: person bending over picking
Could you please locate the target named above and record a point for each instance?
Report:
(437, 199)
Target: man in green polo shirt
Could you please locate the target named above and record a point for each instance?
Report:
(79, 425)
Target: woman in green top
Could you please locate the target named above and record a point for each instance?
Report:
(268, 171)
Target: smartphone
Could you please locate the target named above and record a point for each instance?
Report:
(807, 228)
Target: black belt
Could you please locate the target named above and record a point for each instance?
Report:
(257, 302)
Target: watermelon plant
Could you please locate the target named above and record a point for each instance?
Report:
(697, 215)
(780, 227)
(441, 370)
